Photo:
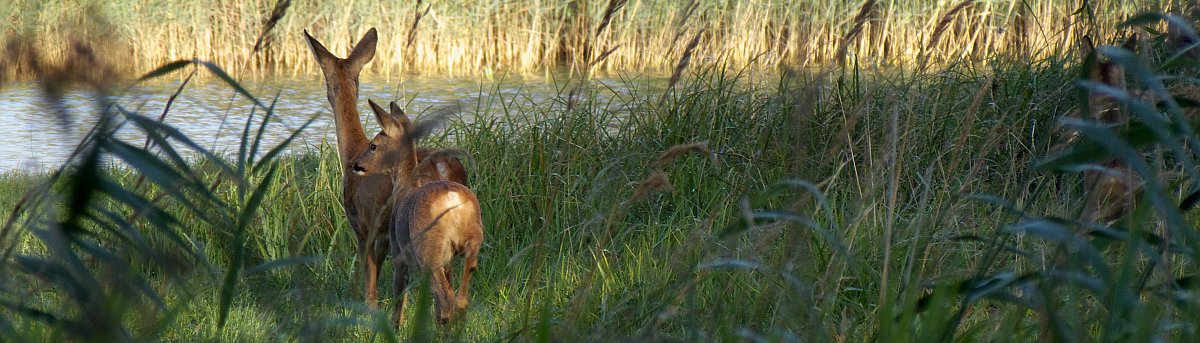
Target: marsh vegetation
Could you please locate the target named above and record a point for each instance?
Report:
(925, 195)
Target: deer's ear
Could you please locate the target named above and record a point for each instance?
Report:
(319, 51)
(364, 51)
(1085, 45)
(396, 110)
(1131, 44)
(400, 116)
(384, 118)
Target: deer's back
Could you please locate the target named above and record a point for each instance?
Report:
(1113, 193)
(441, 218)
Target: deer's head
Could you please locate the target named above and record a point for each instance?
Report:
(1107, 72)
(393, 150)
(342, 74)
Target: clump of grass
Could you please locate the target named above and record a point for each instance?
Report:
(1080, 279)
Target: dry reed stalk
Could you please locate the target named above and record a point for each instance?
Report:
(166, 109)
(577, 36)
(604, 55)
(613, 7)
(683, 62)
(864, 13)
(679, 23)
(658, 179)
(412, 30)
(273, 19)
(960, 144)
(1018, 37)
(591, 62)
(941, 26)
(674, 152)
(781, 41)
(11, 64)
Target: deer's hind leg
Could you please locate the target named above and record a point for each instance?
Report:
(470, 263)
(442, 295)
(399, 284)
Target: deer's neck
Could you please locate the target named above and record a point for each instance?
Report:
(404, 177)
(401, 185)
(351, 140)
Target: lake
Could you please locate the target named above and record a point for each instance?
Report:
(33, 138)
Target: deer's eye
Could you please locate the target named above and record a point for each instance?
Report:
(372, 147)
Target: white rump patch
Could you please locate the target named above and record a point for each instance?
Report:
(360, 173)
(451, 199)
(450, 204)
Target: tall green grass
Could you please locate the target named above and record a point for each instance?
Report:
(585, 243)
(499, 36)
(844, 205)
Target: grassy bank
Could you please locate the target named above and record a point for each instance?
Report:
(845, 205)
(482, 38)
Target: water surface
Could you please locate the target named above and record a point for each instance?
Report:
(211, 113)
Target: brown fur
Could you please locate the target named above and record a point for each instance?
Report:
(451, 168)
(1180, 37)
(437, 230)
(1112, 192)
(1105, 109)
(434, 220)
(363, 196)
(366, 198)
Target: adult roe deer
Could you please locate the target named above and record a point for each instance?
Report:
(434, 220)
(365, 198)
(1112, 191)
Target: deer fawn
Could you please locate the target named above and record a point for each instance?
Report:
(1112, 192)
(434, 220)
(365, 198)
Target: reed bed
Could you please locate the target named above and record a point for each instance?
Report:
(498, 36)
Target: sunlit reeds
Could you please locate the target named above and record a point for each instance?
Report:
(477, 38)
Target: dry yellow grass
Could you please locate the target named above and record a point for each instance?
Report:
(481, 38)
